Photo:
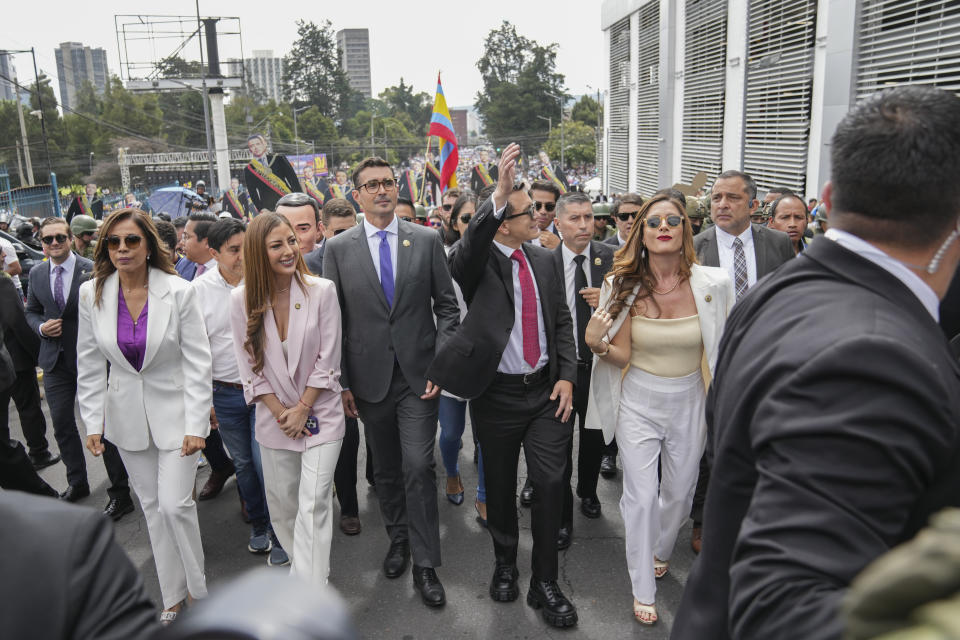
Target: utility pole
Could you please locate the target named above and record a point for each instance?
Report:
(206, 107)
(23, 135)
(296, 134)
(43, 122)
(373, 150)
(20, 166)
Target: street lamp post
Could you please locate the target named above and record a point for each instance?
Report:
(549, 124)
(296, 135)
(560, 100)
(91, 164)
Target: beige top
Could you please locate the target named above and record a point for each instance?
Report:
(669, 348)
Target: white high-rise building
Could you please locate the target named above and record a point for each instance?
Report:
(755, 85)
(263, 71)
(8, 90)
(77, 65)
(355, 59)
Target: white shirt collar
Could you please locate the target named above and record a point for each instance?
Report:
(68, 264)
(746, 237)
(569, 255)
(928, 298)
(370, 230)
(504, 249)
(219, 279)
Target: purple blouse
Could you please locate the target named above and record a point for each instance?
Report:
(131, 336)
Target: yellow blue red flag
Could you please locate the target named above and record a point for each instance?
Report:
(441, 126)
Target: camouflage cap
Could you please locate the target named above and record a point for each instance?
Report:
(83, 224)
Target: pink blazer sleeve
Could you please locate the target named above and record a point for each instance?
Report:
(326, 367)
(254, 384)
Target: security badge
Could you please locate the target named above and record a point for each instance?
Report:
(297, 306)
(596, 261)
(406, 243)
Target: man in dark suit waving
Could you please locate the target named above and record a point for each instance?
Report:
(392, 280)
(514, 356)
(583, 262)
(748, 252)
(834, 414)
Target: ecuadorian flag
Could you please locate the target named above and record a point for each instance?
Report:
(441, 126)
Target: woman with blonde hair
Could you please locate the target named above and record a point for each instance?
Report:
(141, 318)
(286, 333)
(665, 314)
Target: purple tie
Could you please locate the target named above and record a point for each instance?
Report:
(58, 288)
(201, 268)
(386, 268)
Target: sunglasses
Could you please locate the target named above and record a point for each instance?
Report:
(338, 232)
(406, 218)
(528, 213)
(435, 224)
(549, 206)
(447, 207)
(654, 221)
(627, 215)
(131, 241)
(465, 218)
(58, 238)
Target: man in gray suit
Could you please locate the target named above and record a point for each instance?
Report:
(748, 252)
(392, 280)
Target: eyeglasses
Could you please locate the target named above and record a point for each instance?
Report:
(623, 217)
(527, 212)
(131, 241)
(373, 186)
(434, 223)
(465, 218)
(654, 221)
(338, 232)
(447, 207)
(406, 218)
(549, 206)
(58, 238)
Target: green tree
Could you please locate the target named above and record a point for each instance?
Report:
(519, 75)
(312, 73)
(417, 107)
(586, 110)
(580, 141)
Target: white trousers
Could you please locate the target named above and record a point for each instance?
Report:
(299, 488)
(164, 482)
(660, 419)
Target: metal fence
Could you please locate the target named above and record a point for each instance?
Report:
(37, 201)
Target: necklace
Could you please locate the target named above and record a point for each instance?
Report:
(670, 290)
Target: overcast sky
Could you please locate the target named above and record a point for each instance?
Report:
(409, 38)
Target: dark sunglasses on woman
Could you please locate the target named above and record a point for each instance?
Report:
(131, 241)
(654, 221)
(465, 218)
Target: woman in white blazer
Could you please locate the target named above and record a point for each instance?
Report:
(655, 337)
(286, 334)
(137, 315)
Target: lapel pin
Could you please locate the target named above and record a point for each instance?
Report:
(297, 306)
(596, 261)
(406, 243)
(708, 297)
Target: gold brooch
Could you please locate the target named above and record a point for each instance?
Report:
(297, 306)
(406, 243)
(596, 261)
(708, 297)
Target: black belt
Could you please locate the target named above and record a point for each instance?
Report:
(232, 385)
(524, 378)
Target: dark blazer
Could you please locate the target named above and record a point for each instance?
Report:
(613, 241)
(374, 334)
(314, 260)
(771, 247)
(8, 374)
(75, 209)
(62, 351)
(597, 271)
(73, 579)
(466, 365)
(834, 436)
(187, 269)
(263, 195)
(21, 341)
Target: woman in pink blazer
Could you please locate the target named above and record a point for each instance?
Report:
(286, 330)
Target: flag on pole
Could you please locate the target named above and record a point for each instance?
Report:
(441, 126)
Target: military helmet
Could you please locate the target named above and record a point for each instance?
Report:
(83, 224)
(601, 209)
(698, 208)
(421, 211)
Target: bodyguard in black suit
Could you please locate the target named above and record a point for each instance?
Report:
(514, 357)
(834, 414)
(53, 315)
(582, 264)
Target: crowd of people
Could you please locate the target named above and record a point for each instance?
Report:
(792, 394)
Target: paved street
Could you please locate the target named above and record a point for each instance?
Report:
(593, 569)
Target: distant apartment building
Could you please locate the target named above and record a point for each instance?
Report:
(8, 90)
(263, 71)
(77, 65)
(459, 115)
(355, 59)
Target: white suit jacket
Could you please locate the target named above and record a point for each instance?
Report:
(714, 296)
(170, 397)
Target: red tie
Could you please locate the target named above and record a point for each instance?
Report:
(528, 312)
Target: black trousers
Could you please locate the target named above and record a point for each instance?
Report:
(589, 455)
(26, 396)
(345, 475)
(508, 415)
(119, 488)
(16, 470)
(216, 455)
(61, 389)
(700, 494)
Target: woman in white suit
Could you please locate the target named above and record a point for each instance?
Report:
(665, 314)
(286, 333)
(141, 318)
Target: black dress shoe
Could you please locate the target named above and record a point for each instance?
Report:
(397, 559)
(526, 495)
(43, 460)
(75, 492)
(608, 466)
(557, 610)
(503, 586)
(117, 508)
(564, 536)
(590, 507)
(425, 581)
